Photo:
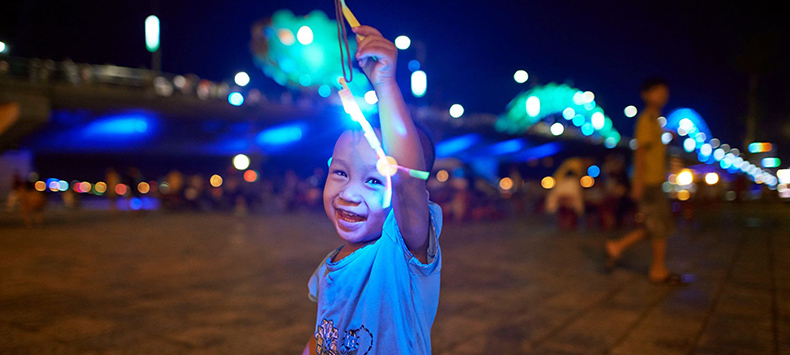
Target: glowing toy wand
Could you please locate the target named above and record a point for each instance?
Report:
(386, 165)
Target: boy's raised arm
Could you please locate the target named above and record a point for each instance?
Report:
(400, 139)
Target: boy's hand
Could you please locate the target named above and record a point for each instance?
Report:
(382, 70)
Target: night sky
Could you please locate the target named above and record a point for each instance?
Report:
(705, 49)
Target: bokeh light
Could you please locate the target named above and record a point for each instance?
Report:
(419, 83)
(568, 113)
(548, 182)
(121, 189)
(594, 171)
(442, 175)
(235, 98)
(100, 187)
(250, 176)
(241, 78)
(557, 129)
(304, 35)
(506, 183)
(371, 98)
(215, 180)
(241, 162)
(456, 110)
(521, 76)
(40, 186)
(587, 181)
(533, 106)
(666, 137)
(143, 187)
(630, 111)
(683, 195)
(685, 177)
(711, 178)
(402, 42)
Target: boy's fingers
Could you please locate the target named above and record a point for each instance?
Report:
(380, 52)
(365, 31)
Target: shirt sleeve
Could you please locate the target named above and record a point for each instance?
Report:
(312, 284)
(434, 263)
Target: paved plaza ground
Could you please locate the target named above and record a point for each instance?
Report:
(208, 283)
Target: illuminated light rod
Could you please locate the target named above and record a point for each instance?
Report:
(757, 147)
(386, 165)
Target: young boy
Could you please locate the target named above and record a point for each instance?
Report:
(378, 293)
(649, 173)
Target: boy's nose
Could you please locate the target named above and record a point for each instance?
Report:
(351, 195)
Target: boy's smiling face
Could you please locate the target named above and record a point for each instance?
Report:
(354, 191)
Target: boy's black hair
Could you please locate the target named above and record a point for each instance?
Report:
(428, 147)
(652, 82)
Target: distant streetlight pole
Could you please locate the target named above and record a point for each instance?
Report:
(152, 29)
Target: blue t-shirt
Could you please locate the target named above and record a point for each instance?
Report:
(379, 299)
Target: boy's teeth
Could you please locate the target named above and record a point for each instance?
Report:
(350, 217)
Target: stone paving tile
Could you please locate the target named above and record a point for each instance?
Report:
(213, 283)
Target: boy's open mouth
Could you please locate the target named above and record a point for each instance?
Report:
(349, 216)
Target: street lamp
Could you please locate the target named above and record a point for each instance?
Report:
(152, 41)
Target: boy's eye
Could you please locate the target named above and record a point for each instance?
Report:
(375, 181)
(340, 173)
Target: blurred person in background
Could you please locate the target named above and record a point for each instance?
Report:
(615, 182)
(654, 217)
(566, 200)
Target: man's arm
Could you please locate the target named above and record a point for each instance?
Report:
(400, 139)
(310, 347)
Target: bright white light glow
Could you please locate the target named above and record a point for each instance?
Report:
(689, 144)
(241, 78)
(630, 111)
(685, 177)
(662, 121)
(2, 47)
(521, 76)
(456, 111)
(597, 119)
(152, 33)
(557, 129)
(402, 42)
(304, 35)
(419, 83)
(241, 162)
(705, 149)
(568, 113)
(235, 98)
(578, 98)
(533, 106)
(371, 98)
(666, 137)
(718, 154)
(588, 97)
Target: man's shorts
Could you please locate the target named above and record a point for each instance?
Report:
(655, 214)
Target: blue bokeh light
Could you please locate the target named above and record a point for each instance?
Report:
(235, 98)
(280, 135)
(456, 145)
(594, 171)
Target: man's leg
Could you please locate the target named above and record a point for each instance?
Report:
(616, 247)
(658, 267)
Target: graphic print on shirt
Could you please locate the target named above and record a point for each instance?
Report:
(326, 340)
